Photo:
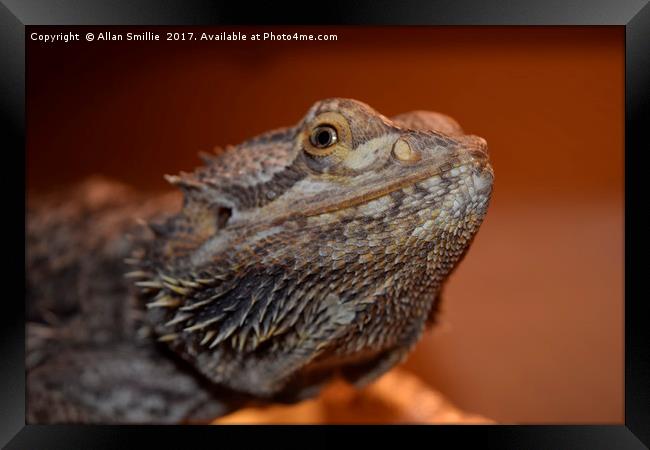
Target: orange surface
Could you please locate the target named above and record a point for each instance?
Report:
(396, 398)
(532, 322)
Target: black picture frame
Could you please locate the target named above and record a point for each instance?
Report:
(16, 15)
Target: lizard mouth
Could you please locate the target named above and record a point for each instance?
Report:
(476, 167)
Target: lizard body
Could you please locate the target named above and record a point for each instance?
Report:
(304, 253)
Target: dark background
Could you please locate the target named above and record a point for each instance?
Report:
(532, 322)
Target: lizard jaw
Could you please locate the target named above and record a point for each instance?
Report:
(481, 177)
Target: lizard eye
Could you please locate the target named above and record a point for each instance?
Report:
(327, 134)
(323, 136)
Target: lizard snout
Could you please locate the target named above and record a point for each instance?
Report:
(475, 143)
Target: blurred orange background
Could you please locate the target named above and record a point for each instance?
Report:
(531, 329)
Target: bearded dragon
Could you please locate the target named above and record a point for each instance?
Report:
(305, 253)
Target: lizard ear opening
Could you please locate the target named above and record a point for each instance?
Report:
(223, 215)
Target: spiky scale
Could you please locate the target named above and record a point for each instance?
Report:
(202, 325)
(150, 284)
(168, 337)
(179, 318)
(207, 337)
(137, 274)
(165, 301)
(174, 288)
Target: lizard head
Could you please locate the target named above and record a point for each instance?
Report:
(350, 155)
(306, 236)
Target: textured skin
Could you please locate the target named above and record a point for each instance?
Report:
(286, 265)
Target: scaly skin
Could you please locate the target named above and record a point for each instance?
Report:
(304, 253)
